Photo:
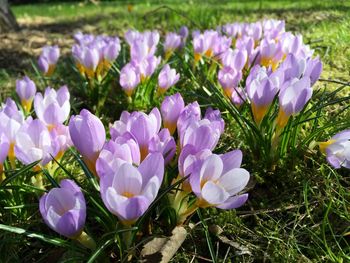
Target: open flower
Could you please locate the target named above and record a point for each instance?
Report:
(337, 149)
(26, 89)
(52, 109)
(129, 191)
(88, 136)
(34, 143)
(171, 109)
(64, 209)
(219, 181)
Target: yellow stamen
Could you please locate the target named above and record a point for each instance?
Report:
(266, 62)
(128, 194)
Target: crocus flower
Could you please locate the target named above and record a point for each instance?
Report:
(262, 89)
(167, 78)
(11, 119)
(48, 59)
(219, 181)
(191, 113)
(235, 59)
(26, 90)
(60, 134)
(238, 97)
(292, 98)
(171, 109)
(4, 149)
(270, 53)
(122, 148)
(183, 32)
(313, 69)
(146, 67)
(88, 136)
(64, 209)
(129, 191)
(229, 79)
(172, 42)
(214, 116)
(337, 150)
(53, 108)
(163, 143)
(203, 134)
(129, 79)
(34, 143)
(141, 126)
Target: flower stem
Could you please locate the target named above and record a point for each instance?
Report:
(86, 241)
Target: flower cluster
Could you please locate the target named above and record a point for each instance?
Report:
(30, 140)
(259, 65)
(94, 55)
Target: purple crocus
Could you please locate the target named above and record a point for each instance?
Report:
(235, 59)
(11, 120)
(203, 134)
(270, 53)
(146, 67)
(141, 126)
(219, 181)
(171, 43)
(123, 148)
(4, 149)
(229, 79)
(129, 79)
(48, 59)
(191, 113)
(54, 107)
(337, 149)
(34, 143)
(88, 136)
(171, 109)
(313, 69)
(129, 191)
(26, 90)
(167, 78)
(64, 209)
(163, 143)
(60, 136)
(292, 99)
(261, 89)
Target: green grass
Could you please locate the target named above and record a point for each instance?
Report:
(299, 212)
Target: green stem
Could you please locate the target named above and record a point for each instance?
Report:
(86, 241)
